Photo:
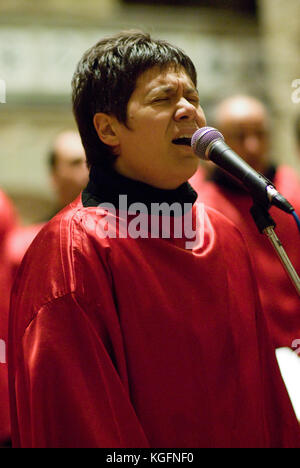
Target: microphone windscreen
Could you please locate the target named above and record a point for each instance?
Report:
(202, 138)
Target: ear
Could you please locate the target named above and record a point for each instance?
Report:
(105, 127)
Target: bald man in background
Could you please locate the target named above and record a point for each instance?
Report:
(69, 172)
(69, 175)
(244, 123)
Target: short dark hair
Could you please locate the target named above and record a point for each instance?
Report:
(106, 77)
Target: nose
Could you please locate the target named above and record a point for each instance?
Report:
(185, 110)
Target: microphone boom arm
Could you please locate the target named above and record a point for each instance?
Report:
(266, 225)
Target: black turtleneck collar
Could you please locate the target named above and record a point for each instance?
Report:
(224, 180)
(105, 186)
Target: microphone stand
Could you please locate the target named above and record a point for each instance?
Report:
(266, 225)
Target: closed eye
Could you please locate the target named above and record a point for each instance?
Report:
(160, 99)
(194, 100)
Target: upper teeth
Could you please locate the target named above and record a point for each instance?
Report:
(185, 136)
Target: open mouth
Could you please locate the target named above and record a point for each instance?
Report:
(182, 141)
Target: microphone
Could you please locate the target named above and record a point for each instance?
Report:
(208, 143)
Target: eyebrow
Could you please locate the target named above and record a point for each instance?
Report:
(169, 89)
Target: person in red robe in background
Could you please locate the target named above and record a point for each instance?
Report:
(8, 221)
(127, 330)
(244, 123)
(69, 175)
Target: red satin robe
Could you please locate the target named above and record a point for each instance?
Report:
(123, 342)
(280, 301)
(8, 221)
(18, 242)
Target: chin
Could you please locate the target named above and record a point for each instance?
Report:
(189, 167)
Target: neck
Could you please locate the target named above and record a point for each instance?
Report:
(106, 186)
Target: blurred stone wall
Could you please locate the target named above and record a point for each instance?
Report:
(280, 26)
(41, 42)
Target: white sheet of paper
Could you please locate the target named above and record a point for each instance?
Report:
(289, 365)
